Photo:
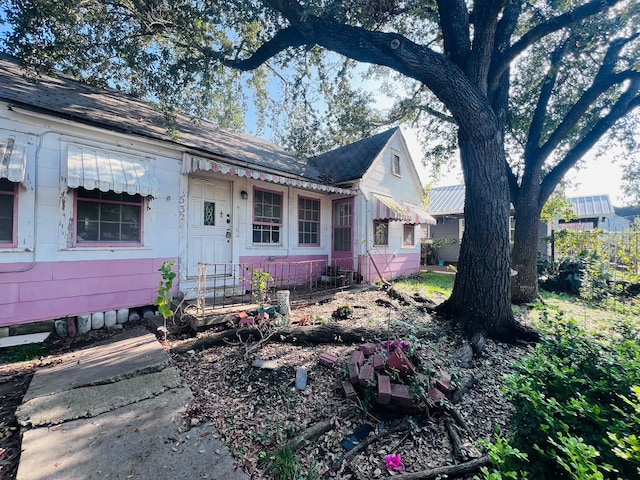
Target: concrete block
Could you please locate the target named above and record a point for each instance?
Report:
(4, 332)
(84, 324)
(384, 390)
(349, 391)
(366, 376)
(110, 319)
(97, 320)
(122, 315)
(301, 378)
(357, 358)
(400, 395)
(61, 328)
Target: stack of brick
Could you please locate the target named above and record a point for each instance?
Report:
(369, 367)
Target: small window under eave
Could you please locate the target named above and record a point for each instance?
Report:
(105, 170)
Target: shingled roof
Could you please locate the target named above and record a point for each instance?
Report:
(65, 97)
(352, 161)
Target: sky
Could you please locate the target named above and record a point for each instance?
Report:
(598, 177)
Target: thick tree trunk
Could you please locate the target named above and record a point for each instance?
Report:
(524, 257)
(481, 296)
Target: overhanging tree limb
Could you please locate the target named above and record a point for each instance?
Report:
(554, 24)
(627, 102)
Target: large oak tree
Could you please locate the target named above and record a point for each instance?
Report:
(463, 53)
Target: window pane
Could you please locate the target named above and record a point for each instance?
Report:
(109, 232)
(110, 212)
(342, 239)
(6, 185)
(6, 218)
(130, 233)
(88, 211)
(87, 231)
(209, 214)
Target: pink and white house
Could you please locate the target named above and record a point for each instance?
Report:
(96, 192)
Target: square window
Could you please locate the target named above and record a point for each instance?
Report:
(381, 232)
(408, 235)
(267, 216)
(308, 221)
(108, 217)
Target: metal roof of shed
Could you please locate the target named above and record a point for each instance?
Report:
(592, 206)
(446, 200)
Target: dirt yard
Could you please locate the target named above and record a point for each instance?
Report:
(257, 411)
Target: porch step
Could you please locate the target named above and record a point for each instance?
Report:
(189, 289)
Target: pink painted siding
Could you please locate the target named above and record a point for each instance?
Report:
(59, 289)
(391, 266)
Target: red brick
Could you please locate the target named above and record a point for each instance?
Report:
(445, 375)
(398, 361)
(384, 390)
(357, 358)
(242, 315)
(354, 371)
(444, 386)
(71, 326)
(378, 362)
(367, 348)
(366, 376)
(436, 394)
(349, 391)
(328, 359)
(400, 395)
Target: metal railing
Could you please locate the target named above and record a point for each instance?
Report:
(227, 284)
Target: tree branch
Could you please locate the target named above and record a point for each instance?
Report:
(554, 24)
(286, 38)
(627, 102)
(485, 22)
(548, 84)
(454, 22)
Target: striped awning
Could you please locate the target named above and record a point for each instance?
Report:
(192, 164)
(419, 215)
(386, 208)
(104, 170)
(13, 160)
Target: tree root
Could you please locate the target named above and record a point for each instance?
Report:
(451, 471)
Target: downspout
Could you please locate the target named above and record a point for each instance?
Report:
(35, 206)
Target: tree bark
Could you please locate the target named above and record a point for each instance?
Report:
(524, 257)
(481, 294)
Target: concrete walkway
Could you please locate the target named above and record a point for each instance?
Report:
(115, 410)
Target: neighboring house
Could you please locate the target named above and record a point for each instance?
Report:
(96, 192)
(592, 212)
(446, 205)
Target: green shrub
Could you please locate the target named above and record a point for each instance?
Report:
(569, 404)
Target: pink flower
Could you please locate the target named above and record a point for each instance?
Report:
(394, 462)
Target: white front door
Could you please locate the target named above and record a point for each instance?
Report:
(210, 224)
